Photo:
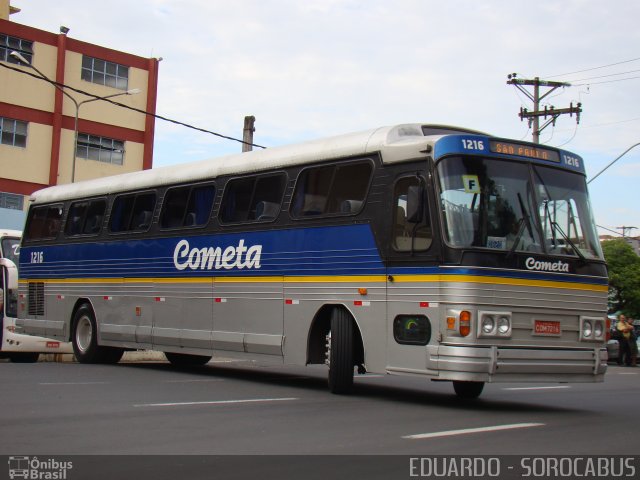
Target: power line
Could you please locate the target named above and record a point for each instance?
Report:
(594, 68)
(144, 112)
(604, 76)
(606, 81)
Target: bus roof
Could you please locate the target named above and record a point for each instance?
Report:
(394, 143)
(5, 232)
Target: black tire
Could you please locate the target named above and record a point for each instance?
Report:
(84, 338)
(468, 390)
(111, 355)
(186, 360)
(24, 357)
(341, 353)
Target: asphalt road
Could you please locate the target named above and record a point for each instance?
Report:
(243, 408)
(240, 420)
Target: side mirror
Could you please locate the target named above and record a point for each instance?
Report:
(415, 204)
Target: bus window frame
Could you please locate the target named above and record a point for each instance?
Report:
(132, 231)
(84, 217)
(427, 218)
(255, 177)
(191, 186)
(29, 240)
(336, 164)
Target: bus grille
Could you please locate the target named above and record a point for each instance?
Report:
(36, 298)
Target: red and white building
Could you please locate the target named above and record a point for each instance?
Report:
(38, 146)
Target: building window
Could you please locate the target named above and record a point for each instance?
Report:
(102, 149)
(105, 73)
(9, 44)
(13, 132)
(11, 201)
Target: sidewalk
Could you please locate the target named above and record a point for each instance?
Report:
(137, 356)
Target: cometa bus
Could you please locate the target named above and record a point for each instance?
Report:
(411, 249)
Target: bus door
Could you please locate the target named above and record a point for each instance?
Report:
(412, 292)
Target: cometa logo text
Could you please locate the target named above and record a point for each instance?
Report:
(559, 266)
(209, 258)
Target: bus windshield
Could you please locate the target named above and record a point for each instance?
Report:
(515, 206)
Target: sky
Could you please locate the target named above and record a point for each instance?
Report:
(316, 68)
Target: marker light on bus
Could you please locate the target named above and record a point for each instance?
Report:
(464, 327)
(592, 329)
(494, 324)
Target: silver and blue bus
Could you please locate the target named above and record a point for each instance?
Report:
(412, 249)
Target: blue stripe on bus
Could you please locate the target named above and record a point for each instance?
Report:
(302, 251)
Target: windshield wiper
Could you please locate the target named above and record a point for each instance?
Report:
(573, 246)
(525, 220)
(516, 240)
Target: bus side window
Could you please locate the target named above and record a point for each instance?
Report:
(94, 217)
(132, 212)
(187, 206)
(85, 218)
(44, 223)
(332, 190)
(252, 199)
(408, 236)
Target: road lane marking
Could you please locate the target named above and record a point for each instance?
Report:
(467, 431)
(538, 388)
(195, 381)
(217, 402)
(74, 383)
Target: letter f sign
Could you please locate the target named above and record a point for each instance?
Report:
(471, 183)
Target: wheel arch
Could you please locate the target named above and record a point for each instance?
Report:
(320, 326)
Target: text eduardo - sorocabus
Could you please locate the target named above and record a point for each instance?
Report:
(210, 258)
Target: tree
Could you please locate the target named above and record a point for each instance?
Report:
(624, 277)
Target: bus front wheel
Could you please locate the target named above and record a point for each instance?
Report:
(340, 354)
(468, 390)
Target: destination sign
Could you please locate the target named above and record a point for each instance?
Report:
(529, 151)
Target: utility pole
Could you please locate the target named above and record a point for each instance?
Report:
(626, 230)
(247, 133)
(536, 97)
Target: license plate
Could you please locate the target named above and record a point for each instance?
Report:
(545, 327)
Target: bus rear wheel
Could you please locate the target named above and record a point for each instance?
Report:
(186, 360)
(84, 338)
(340, 352)
(468, 390)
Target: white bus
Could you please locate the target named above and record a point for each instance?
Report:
(412, 249)
(18, 347)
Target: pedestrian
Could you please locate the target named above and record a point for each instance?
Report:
(629, 351)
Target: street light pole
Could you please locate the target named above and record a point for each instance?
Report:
(77, 104)
(611, 163)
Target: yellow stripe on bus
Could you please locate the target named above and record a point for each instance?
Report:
(436, 278)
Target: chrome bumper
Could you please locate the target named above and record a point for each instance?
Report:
(495, 364)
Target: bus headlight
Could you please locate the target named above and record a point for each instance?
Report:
(488, 324)
(504, 325)
(587, 329)
(494, 324)
(598, 330)
(592, 329)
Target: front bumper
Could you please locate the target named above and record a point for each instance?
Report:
(496, 364)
